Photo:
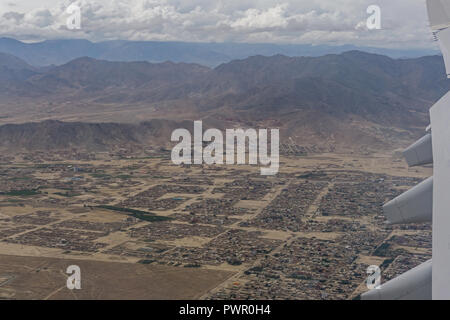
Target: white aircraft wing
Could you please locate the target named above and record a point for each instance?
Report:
(414, 284)
(438, 14)
(444, 44)
(440, 121)
(430, 200)
(439, 17)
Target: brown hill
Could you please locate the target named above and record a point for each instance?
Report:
(351, 100)
(54, 135)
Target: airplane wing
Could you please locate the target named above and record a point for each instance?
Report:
(439, 17)
(438, 14)
(414, 284)
(440, 121)
(444, 43)
(428, 201)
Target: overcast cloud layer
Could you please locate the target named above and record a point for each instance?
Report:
(404, 22)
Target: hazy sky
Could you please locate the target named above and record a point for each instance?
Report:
(404, 22)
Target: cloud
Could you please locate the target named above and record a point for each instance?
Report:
(40, 18)
(255, 19)
(404, 22)
(13, 17)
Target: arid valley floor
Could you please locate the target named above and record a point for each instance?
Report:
(143, 228)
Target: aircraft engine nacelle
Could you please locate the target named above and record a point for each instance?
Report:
(413, 206)
(414, 284)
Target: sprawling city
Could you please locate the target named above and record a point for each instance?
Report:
(309, 232)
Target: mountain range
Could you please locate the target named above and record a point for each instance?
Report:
(57, 52)
(337, 101)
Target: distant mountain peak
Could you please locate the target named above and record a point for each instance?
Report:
(348, 99)
(58, 52)
(13, 63)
